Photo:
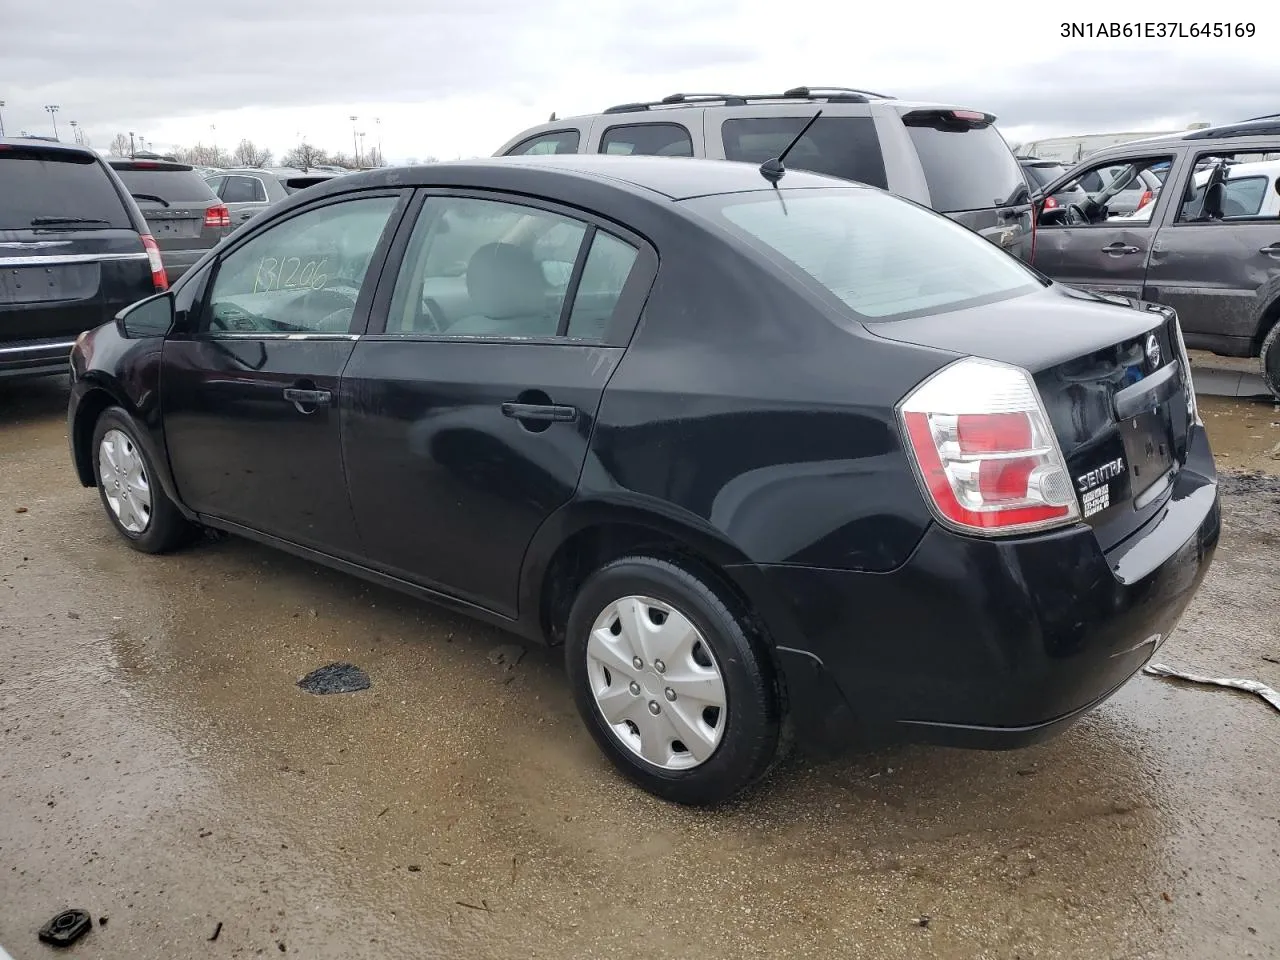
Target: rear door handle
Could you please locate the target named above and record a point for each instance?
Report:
(1119, 249)
(306, 401)
(539, 411)
(1272, 251)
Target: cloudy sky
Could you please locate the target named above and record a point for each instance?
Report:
(458, 79)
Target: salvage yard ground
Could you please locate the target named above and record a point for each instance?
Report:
(160, 768)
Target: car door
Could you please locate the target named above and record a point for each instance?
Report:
(1218, 261)
(1108, 255)
(472, 398)
(251, 388)
(245, 197)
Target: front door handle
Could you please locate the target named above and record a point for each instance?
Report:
(306, 401)
(1118, 249)
(539, 411)
(1272, 251)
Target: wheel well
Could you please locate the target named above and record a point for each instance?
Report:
(91, 406)
(1269, 318)
(590, 549)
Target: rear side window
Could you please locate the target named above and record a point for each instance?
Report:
(648, 140)
(561, 141)
(883, 257)
(171, 186)
(967, 168)
(57, 189)
(844, 147)
(243, 190)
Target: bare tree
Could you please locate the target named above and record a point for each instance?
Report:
(119, 145)
(374, 158)
(343, 160)
(304, 156)
(203, 156)
(248, 154)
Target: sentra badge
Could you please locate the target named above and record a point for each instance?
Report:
(1099, 475)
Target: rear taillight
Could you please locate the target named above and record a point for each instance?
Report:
(217, 216)
(1188, 388)
(984, 451)
(1050, 203)
(158, 276)
(1147, 197)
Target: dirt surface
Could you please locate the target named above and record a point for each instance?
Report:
(160, 767)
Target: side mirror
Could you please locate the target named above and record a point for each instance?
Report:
(152, 317)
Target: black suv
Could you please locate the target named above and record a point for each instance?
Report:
(946, 157)
(1204, 239)
(183, 214)
(74, 250)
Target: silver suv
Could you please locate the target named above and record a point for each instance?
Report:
(946, 157)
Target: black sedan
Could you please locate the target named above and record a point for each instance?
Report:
(804, 457)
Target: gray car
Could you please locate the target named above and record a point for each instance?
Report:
(946, 157)
(184, 216)
(250, 190)
(1206, 244)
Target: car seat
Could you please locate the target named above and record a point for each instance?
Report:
(508, 292)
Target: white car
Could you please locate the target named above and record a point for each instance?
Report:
(1250, 191)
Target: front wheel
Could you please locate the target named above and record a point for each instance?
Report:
(131, 493)
(674, 687)
(1269, 361)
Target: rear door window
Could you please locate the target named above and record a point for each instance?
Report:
(648, 140)
(171, 186)
(560, 141)
(70, 189)
(967, 168)
(844, 147)
(243, 190)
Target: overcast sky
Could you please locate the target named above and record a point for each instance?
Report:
(458, 79)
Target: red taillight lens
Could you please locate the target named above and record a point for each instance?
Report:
(982, 444)
(1147, 197)
(158, 276)
(1050, 203)
(217, 216)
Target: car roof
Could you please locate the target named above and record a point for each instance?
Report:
(1249, 130)
(41, 143)
(677, 178)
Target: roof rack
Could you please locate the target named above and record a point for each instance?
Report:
(1247, 128)
(830, 94)
(1265, 116)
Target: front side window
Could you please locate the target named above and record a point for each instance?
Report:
(560, 141)
(648, 140)
(844, 147)
(882, 257)
(1113, 193)
(302, 275)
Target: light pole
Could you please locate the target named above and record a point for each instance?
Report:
(378, 122)
(355, 141)
(1, 119)
(53, 112)
(75, 131)
(360, 152)
(132, 151)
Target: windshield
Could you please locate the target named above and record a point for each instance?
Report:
(882, 257)
(48, 184)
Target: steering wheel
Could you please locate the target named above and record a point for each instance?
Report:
(1075, 215)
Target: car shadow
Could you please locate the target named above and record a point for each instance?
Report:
(27, 400)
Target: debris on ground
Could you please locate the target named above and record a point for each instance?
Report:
(508, 655)
(66, 928)
(335, 678)
(1249, 686)
(20, 510)
(922, 921)
(216, 930)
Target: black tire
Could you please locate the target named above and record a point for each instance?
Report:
(750, 740)
(166, 528)
(1269, 360)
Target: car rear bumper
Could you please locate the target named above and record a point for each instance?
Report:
(178, 262)
(987, 643)
(35, 357)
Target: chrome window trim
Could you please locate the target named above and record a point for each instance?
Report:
(226, 335)
(35, 347)
(67, 258)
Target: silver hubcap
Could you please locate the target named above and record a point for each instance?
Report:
(124, 481)
(656, 683)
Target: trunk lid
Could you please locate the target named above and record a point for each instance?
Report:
(1112, 378)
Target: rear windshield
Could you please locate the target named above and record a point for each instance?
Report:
(1043, 174)
(967, 169)
(883, 257)
(47, 184)
(844, 147)
(171, 186)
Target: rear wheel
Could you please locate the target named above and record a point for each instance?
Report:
(671, 683)
(1269, 360)
(131, 493)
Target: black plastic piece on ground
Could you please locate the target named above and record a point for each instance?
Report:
(66, 928)
(335, 678)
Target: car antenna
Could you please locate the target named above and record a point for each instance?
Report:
(553, 117)
(772, 170)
